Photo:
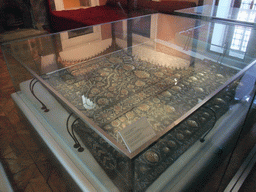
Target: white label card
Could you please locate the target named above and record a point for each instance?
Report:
(137, 134)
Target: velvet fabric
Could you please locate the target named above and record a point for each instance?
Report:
(167, 7)
(77, 18)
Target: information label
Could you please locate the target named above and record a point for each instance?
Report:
(136, 134)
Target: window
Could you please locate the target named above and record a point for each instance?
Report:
(241, 34)
(248, 4)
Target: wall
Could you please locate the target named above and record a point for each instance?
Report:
(22, 12)
(70, 4)
(40, 12)
(102, 2)
(168, 26)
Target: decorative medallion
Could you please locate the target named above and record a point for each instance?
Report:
(151, 157)
(100, 84)
(178, 76)
(155, 100)
(104, 74)
(202, 119)
(111, 89)
(169, 109)
(115, 60)
(159, 74)
(131, 87)
(172, 144)
(199, 89)
(142, 74)
(124, 92)
(128, 67)
(102, 101)
(117, 108)
(176, 88)
(130, 115)
(95, 91)
(108, 127)
(205, 114)
(219, 75)
(166, 94)
(180, 136)
(123, 119)
(166, 149)
(98, 78)
(139, 83)
(115, 123)
(187, 132)
(109, 95)
(216, 106)
(143, 107)
(192, 123)
(193, 78)
(219, 101)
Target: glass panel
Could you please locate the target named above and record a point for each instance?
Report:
(114, 85)
(245, 14)
(181, 76)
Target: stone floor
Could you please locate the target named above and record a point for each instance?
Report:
(27, 165)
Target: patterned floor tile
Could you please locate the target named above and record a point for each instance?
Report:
(56, 183)
(17, 163)
(27, 163)
(2, 113)
(45, 167)
(39, 155)
(29, 188)
(3, 98)
(22, 178)
(9, 106)
(38, 182)
(14, 118)
(28, 140)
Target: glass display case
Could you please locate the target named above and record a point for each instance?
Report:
(243, 14)
(136, 104)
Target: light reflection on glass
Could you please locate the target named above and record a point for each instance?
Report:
(241, 34)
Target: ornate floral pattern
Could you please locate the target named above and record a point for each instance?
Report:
(125, 90)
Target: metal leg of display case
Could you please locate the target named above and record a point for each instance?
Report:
(194, 42)
(242, 173)
(31, 87)
(222, 55)
(72, 134)
(187, 41)
(129, 36)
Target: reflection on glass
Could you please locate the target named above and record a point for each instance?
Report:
(80, 32)
(240, 41)
(223, 10)
(218, 38)
(248, 4)
(241, 34)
